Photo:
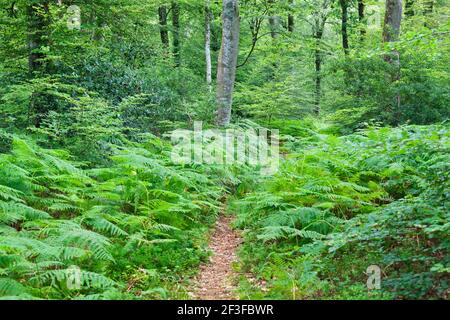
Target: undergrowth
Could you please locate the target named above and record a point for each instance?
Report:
(134, 229)
(341, 204)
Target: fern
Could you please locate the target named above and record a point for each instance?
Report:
(13, 212)
(282, 232)
(10, 287)
(96, 243)
(60, 277)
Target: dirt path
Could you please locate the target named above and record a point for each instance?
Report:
(215, 280)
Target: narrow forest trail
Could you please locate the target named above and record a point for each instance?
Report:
(216, 278)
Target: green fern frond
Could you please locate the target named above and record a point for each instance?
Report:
(13, 212)
(11, 287)
(271, 233)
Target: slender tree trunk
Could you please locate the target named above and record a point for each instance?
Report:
(391, 29)
(274, 21)
(318, 79)
(318, 56)
(12, 10)
(226, 69)
(391, 33)
(162, 13)
(208, 19)
(361, 19)
(291, 19)
(38, 20)
(344, 21)
(392, 20)
(176, 32)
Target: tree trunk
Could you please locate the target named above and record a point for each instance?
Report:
(162, 13)
(38, 21)
(318, 56)
(391, 33)
(361, 18)
(392, 20)
(291, 19)
(344, 21)
(208, 19)
(12, 10)
(226, 69)
(391, 29)
(274, 21)
(318, 79)
(176, 31)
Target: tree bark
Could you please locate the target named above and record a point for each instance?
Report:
(274, 21)
(38, 21)
(291, 19)
(208, 19)
(318, 58)
(392, 20)
(391, 33)
(162, 13)
(12, 10)
(226, 69)
(318, 76)
(361, 18)
(176, 32)
(344, 22)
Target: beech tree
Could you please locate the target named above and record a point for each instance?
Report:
(391, 33)
(361, 18)
(344, 22)
(226, 68)
(291, 18)
(175, 8)
(164, 33)
(319, 19)
(38, 20)
(208, 63)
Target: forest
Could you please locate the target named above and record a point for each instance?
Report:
(224, 149)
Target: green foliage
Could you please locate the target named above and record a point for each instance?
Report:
(87, 185)
(342, 204)
(363, 96)
(55, 215)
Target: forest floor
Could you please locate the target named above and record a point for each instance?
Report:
(216, 279)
